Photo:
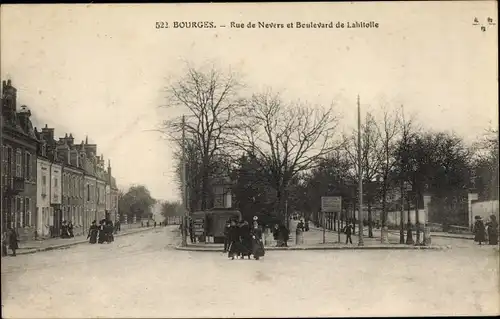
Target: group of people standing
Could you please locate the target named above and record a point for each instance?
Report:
(67, 229)
(490, 228)
(101, 234)
(242, 240)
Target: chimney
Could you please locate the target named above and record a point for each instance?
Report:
(9, 100)
(109, 171)
(71, 140)
(48, 133)
(24, 117)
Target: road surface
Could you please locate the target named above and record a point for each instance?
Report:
(143, 276)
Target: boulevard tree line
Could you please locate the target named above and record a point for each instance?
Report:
(284, 155)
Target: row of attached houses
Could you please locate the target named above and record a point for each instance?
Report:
(47, 181)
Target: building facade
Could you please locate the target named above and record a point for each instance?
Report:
(72, 205)
(19, 175)
(45, 181)
(43, 211)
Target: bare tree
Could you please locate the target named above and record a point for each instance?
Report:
(288, 138)
(210, 102)
(370, 161)
(388, 132)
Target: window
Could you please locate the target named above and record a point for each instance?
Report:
(88, 192)
(55, 181)
(27, 169)
(27, 213)
(44, 150)
(19, 167)
(44, 185)
(19, 212)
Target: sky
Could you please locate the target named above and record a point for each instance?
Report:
(101, 70)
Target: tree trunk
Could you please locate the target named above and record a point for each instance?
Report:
(384, 203)
(370, 228)
(409, 235)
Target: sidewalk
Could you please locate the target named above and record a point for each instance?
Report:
(313, 240)
(34, 246)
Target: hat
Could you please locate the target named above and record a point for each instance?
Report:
(255, 218)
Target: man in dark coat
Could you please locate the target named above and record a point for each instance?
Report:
(191, 231)
(348, 232)
(284, 235)
(234, 240)
(93, 231)
(13, 240)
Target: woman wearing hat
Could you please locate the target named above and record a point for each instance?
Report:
(493, 230)
(257, 245)
(93, 230)
(479, 231)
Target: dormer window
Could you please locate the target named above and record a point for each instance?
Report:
(44, 150)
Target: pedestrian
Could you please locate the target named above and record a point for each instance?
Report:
(479, 231)
(348, 232)
(5, 243)
(64, 229)
(276, 233)
(284, 235)
(246, 240)
(257, 245)
(234, 240)
(102, 232)
(93, 231)
(155, 224)
(13, 240)
(110, 236)
(493, 230)
(226, 236)
(70, 230)
(191, 231)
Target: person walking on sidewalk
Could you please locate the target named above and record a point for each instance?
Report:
(13, 240)
(348, 232)
(93, 231)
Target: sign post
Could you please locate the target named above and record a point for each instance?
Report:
(330, 204)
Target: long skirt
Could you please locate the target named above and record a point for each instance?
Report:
(493, 237)
(102, 237)
(246, 246)
(258, 248)
(93, 237)
(234, 248)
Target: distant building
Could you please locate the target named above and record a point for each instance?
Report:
(19, 176)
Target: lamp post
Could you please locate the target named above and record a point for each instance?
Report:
(183, 168)
(360, 181)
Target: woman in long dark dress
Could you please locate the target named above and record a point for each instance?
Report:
(246, 240)
(234, 240)
(93, 231)
(257, 245)
(493, 230)
(13, 240)
(479, 231)
(102, 232)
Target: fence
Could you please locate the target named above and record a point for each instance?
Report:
(173, 220)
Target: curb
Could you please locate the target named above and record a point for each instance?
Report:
(374, 247)
(61, 246)
(432, 234)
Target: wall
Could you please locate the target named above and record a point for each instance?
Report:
(485, 209)
(56, 185)
(43, 197)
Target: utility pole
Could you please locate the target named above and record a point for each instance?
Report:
(183, 170)
(360, 181)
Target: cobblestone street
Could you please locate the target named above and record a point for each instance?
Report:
(141, 275)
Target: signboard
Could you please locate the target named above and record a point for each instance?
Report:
(198, 226)
(331, 204)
